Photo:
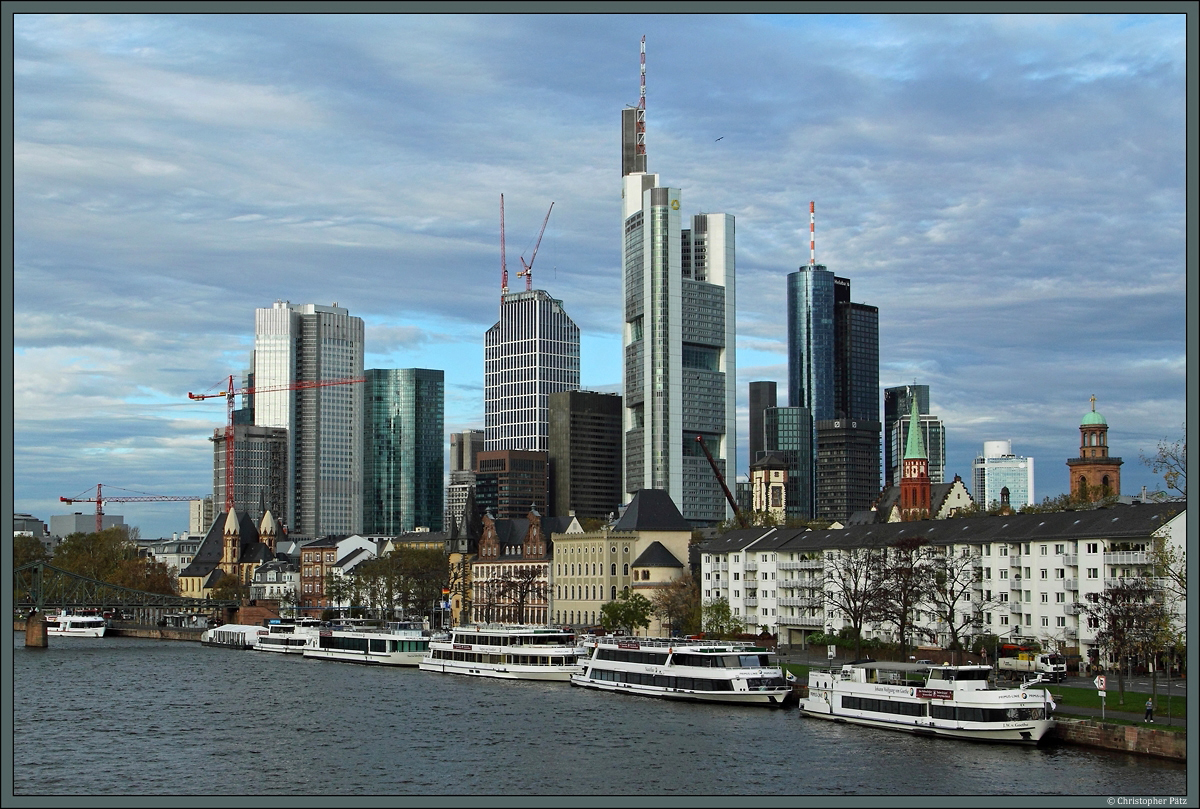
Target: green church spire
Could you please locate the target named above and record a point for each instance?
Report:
(915, 446)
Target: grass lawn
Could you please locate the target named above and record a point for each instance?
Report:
(1134, 701)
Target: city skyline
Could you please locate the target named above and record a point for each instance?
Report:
(987, 181)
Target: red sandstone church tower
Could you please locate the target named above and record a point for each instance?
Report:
(1094, 474)
(914, 481)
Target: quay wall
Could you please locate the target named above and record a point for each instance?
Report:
(1123, 738)
(142, 631)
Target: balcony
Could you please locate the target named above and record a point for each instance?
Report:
(803, 564)
(1016, 606)
(808, 621)
(1070, 559)
(1152, 583)
(805, 601)
(750, 566)
(750, 601)
(720, 566)
(1127, 558)
(1071, 584)
(1073, 609)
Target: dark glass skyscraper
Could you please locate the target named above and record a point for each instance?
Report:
(762, 396)
(833, 372)
(402, 472)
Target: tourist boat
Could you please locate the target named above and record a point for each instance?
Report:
(509, 652)
(287, 636)
(953, 701)
(396, 643)
(69, 625)
(687, 669)
(233, 636)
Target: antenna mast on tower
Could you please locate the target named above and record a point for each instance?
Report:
(812, 234)
(641, 107)
(503, 265)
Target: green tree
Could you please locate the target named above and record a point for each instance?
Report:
(110, 557)
(337, 590)
(230, 588)
(27, 550)
(628, 612)
(719, 619)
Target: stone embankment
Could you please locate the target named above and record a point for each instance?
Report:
(1124, 738)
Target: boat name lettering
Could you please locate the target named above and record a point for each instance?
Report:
(628, 645)
(462, 646)
(893, 689)
(934, 693)
(326, 633)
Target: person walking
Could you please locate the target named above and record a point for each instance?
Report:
(1150, 710)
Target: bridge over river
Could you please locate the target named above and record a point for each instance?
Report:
(39, 586)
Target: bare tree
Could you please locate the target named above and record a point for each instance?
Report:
(459, 584)
(906, 583)
(1170, 461)
(854, 585)
(951, 597)
(1130, 620)
(521, 586)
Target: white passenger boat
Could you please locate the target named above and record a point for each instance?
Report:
(287, 636)
(506, 652)
(233, 636)
(954, 701)
(67, 624)
(685, 669)
(397, 643)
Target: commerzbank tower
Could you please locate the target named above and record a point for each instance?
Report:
(679, 350)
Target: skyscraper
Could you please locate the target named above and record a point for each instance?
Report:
(1001, 478)
(585, 454)
(678, 339)
(762, 396)
(464, 448)
(531, 352)
(402, 473)
(310, 343)
(833, 371)
(897, 402)
(259, 470)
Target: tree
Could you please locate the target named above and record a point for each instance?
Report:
(854, 585)
(949, 598)
(628, 612)
(110, 557)
(521, 585)
(27, 550)
(719, 619)
(1130, 620)
(907, 581)
(1170, 461)
(337, 590)
(230, 588)
(459, 584)
(678, 605)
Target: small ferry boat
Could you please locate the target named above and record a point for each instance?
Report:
(685, 669)
(509, 652)
(287, 636)
(233, 636)
(69, 625)
(396, 643)
(931, 700)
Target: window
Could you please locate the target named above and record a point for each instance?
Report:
(1093, 573)
(707, 576)
(1060, 621)
(1060, 573)
(736, 558)
(1059, 550)
(1003, 620)
(1044, 548)
(624, 570)
(1003, 573)
(1004, 550)
(987, 550)
(1093, 547)
(987, 572)
(1060, 598)
(1045, 620)
(614, 569)
(1045, 598)
(737, 593)
(736, 575)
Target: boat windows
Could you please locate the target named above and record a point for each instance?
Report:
(964, 714)
(883, 706)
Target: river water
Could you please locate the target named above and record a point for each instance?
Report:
(124, 716)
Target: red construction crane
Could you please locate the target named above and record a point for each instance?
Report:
(100, 500)
(737, 512)
(229, 396)
(528, 271)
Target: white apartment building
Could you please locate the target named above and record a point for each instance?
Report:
(1029, 574)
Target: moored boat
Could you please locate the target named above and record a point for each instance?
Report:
(690, 670)
(70, 625)
(287, 636)
(509, 652)
(233, 636)
(931, 700)
(396, 643)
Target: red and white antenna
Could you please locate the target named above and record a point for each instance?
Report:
(812, 234)
(641, 107)
(503, 265)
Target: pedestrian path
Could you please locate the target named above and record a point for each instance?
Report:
(1132, 716)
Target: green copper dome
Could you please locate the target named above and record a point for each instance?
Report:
(1093, 418)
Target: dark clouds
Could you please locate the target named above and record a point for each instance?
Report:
(1008, 190)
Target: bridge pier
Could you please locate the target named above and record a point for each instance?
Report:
(35, 630)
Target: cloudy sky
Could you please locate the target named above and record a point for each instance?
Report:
(1008, 190)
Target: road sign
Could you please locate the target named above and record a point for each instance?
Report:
(1100, 682)
(832, 652)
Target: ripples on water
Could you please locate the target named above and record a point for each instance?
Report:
(121, 716)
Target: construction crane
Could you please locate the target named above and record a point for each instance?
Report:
(737, 512)
(229, 395)
(100, 500)
(528, 271)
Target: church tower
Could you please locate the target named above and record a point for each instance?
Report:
(915, 494)
(1094, 474)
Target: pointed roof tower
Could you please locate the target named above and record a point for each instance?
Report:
(914, 447)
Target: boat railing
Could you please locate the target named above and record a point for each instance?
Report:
(733, 646)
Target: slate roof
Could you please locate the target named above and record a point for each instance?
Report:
(938, 492)
(208, 555)
(652, 510)
(657, 556)
(1114, 522)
